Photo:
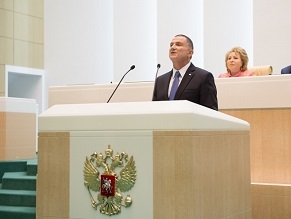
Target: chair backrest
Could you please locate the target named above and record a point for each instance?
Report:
(286, 70)
(261, 70)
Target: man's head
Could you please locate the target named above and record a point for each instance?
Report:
(181, 50)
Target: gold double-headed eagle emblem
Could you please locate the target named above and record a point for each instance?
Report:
(109, 185)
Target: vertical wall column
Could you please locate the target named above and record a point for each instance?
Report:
(183, 17)
(6, 40)
(135, 39)
(226, 24)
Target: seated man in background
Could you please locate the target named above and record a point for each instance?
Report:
(286, 70)
(236, 61)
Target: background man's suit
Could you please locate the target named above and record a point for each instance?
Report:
(286, 70)
(197, 86)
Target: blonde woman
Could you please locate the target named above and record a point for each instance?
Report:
(236, 61)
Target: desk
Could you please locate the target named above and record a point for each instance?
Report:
(263, 101)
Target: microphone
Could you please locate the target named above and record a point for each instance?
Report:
(158, 67)
(131, 68)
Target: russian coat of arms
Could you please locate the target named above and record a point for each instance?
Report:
(109, 185)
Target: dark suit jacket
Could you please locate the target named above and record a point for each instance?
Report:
(286, 70)
(197, 86)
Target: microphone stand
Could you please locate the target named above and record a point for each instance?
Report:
(131, 68)
(158, 67)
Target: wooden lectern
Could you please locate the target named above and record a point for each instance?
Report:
(190, 161)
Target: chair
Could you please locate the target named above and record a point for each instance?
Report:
(261, 70)
(286, 70)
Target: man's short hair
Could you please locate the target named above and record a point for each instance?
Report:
(188, 40)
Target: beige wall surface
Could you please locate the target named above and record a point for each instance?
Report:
(21, 33)
(6, 4)
(32, 8)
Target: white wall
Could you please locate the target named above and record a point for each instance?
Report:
(272, 33)
(179, 17)
(135, 39)
(78, 41)
(227, 23)
(94, 41)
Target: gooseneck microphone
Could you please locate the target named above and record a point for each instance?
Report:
(131, 68)
(158, 67)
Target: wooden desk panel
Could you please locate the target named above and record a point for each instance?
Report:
(270, 143)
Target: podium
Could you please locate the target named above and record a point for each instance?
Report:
(190, 161)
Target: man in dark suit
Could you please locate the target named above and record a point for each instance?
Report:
(194, 84)
(286, 70)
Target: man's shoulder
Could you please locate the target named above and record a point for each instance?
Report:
(200, 70)
(165, 75)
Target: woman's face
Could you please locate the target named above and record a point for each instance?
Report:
(234, 62)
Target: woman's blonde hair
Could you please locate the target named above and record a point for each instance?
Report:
(243, 55)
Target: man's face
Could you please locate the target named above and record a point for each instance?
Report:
(180, 50)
